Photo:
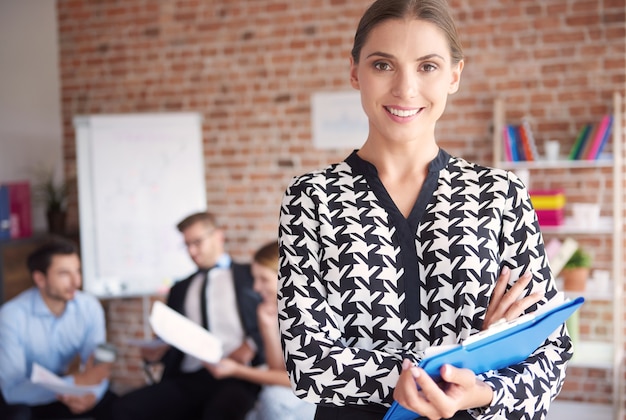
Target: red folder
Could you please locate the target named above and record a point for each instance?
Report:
(20, 209)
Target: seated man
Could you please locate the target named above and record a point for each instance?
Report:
(219, 297)
(52, 324)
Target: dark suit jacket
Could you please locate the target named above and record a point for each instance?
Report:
(247, 302)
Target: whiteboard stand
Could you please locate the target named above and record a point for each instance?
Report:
(145, 304)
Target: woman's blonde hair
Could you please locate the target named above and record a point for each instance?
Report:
(267, 256)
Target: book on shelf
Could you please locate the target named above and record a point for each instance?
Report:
(508, 153)
(521, 150)
(587, 145)
(511, 144)
(592, 139)
(519, 142)
(601, 137)
(528, 140)
(581, 138)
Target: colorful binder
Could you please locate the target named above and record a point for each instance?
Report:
(497, 347)
(5, 213)
(20, 209)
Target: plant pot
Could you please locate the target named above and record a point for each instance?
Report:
(575, 279)
(56, 221)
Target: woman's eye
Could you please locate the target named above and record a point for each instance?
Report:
(382, 66)
(428, 67)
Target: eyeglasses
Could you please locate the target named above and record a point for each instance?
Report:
(198, 242)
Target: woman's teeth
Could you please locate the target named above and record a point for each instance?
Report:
(402, 112)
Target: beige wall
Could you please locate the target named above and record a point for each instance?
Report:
(30, 97)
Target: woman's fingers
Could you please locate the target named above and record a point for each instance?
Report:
(507, 303)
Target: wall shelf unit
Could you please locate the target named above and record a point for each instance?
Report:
(591, 353)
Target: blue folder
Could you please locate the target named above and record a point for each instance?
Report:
(495, 348)
(5, 213)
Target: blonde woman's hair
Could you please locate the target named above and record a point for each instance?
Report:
(267, 255)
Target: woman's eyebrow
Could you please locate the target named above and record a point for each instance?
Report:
(423, 58)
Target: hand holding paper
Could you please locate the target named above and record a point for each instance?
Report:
(184, 334)
(49, 380)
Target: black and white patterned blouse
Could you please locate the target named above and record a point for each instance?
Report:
(361, 286)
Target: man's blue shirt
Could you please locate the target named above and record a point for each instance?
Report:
(30, 332)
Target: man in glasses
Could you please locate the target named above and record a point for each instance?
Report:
(220, 297)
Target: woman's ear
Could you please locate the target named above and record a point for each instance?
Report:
(354, 77)
(456, 77)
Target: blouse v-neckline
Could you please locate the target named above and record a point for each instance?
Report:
(369, 171)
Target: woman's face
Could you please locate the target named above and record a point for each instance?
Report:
(265, 282)
(405, 75)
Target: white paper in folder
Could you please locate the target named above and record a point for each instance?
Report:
(184, 334)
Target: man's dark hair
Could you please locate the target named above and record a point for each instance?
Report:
(41, 258)
(207, 218)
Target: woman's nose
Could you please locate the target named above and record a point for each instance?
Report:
(405, 84)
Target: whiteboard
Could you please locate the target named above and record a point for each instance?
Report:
(138, 176)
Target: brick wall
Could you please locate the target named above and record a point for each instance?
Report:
(127, 319)
(251, 66)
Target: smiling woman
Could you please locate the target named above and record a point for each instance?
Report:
(402, 246)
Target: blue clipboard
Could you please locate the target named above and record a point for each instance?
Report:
(508, 344)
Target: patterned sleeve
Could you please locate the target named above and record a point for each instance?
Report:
(323, 368)
(540, 377)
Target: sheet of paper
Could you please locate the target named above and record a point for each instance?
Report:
(42, 376)
(184, 334)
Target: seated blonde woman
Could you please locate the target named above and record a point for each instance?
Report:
(276, 400)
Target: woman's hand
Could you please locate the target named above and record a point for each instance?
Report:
(458, 390)
(225, 368)
(505, 304)
(267, 315)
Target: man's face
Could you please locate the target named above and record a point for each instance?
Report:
(205, 244)
(62, 279)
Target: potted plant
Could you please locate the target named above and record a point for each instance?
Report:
(576, 271)
(54, 196)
